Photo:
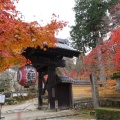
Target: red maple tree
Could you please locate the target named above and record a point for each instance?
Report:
(16, 35)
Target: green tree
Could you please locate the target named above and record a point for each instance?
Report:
(5, 81)
(8, 80)
(89, 23)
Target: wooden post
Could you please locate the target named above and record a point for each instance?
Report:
(71, 96)
(40, 103)
(51, 86)
(95, 93)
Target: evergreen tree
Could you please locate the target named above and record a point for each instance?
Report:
(89, 23)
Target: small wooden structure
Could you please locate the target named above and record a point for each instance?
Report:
(64, 93)
(46, 63)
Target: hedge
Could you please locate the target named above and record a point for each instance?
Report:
(115, 75)
(107, 114)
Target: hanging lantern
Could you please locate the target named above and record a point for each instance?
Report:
(27, 75)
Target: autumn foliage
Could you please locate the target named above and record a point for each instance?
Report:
(115, 40)
(106, 54)
(16, 35)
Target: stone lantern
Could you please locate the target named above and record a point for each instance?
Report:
(118, 84)
(116, 76)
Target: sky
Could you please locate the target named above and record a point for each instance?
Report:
(38, 10)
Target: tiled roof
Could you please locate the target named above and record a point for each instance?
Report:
(64, 44)
(81, 82)
(65, 79)
(86, 82)
(62, 49)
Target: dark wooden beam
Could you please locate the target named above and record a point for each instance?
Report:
(51, 52)
(42, 61)
(40, 87)
(51, 87)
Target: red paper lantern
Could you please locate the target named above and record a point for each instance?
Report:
(27, 75)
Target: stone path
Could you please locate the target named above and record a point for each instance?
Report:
(27, 106)
(29, 111)
(40, 115)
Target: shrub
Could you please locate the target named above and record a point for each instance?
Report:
(107, 114)
(21, 98)
(10, 101)
(1, 89)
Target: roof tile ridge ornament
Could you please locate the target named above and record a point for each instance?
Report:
(63, 41)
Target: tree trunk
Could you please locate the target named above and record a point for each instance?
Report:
(101, 67)
(95, 93)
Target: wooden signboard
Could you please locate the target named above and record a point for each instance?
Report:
(2, 99)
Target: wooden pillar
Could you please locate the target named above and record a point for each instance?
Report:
(95, 93)
(40, 77)
(51, 87)
(71, 96)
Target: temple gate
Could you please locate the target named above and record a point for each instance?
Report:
(46, 63)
